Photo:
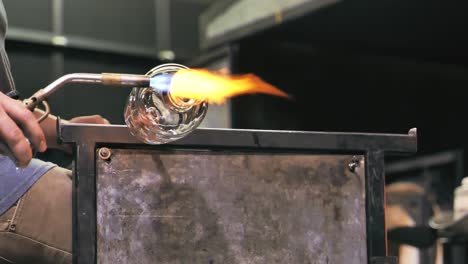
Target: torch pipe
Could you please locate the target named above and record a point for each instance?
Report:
(114, 79)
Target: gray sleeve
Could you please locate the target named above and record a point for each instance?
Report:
(7, 85)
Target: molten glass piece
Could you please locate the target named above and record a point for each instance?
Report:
(154, 116)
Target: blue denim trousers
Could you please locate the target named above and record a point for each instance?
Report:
(38, 228)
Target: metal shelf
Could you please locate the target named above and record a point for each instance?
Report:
(229, 20)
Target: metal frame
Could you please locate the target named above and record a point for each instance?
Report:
(221, 53)
(162, 21)
(85, 138)
(76, 42)
(56, 38)
(423, 163)
(261, 24)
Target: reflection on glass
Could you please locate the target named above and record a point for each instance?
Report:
(156, 117)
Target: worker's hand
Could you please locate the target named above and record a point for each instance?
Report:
(92, 119)
(50, 130)
(14, 119)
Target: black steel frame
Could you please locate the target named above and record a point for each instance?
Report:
(86, 138)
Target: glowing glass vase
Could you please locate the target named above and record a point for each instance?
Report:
(154, 116)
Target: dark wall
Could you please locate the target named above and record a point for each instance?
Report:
(119, 21)
(335, 89)
(29, 14)
(364, 66)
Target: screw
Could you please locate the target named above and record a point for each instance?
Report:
(353, 164)
(104, 153)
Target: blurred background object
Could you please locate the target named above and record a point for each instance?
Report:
(422, 188)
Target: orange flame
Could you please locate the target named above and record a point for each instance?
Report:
(201, 84)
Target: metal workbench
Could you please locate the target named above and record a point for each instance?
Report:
(230, 196)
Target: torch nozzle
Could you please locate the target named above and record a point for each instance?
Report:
(125, 80)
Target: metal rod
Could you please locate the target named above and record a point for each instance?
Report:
(162, 17)
(71, 78)
(104, 79)
(57, 55)
(57, 20)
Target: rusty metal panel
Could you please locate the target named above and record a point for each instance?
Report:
(223, 207)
